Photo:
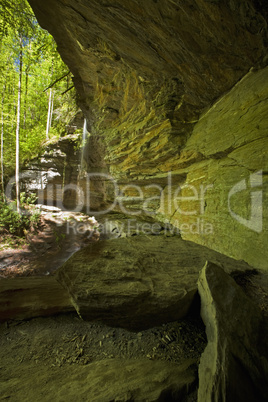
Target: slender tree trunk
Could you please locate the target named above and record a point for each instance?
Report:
(25, 97)
(2, 145)
(18, 131)
(52, 109)
(50, 106)
(14, 107)
(5, 88)
(49, 112)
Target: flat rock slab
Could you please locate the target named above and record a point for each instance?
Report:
(23, 298)
(105, 381)
(234, 365)
(137, 282)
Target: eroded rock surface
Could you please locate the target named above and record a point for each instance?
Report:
(229, 146)
(192, 51)
(58, 178)
(234, 365)
(57, 166)
(109, 380)
(137, 282)
(149, 77)
(22, 298)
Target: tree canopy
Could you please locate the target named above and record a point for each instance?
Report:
(47, 104)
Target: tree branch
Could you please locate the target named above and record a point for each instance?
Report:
(57, 80)
(67, 90)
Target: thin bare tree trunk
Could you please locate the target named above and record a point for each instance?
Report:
(49, 113)
(50, 105)
(25, 97)
(17, 172)
(2, 146)
(52, 109)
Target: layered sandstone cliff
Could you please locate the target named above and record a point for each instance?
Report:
(175, 94)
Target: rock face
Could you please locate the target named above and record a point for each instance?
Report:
(228, 153)
(59, 176)
(234, 365)
(137, 282)
(150, 76)
(47, 175)
(108, 380)
(24, 298)
(134, 380)
(195, 50)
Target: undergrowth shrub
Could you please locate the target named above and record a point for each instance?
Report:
(18, 224)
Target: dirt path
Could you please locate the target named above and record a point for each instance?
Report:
(50, 246)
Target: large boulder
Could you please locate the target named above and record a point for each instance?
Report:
(234, 365)
(137, 282)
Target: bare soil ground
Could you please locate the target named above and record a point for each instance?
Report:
(45, 250)
(50, 347)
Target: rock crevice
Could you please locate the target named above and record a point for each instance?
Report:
(234, 365)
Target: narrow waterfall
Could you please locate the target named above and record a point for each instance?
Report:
(82, 168)
(84, 136)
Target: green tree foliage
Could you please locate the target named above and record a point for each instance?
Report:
(15, 14)
(18, 224)
(30, 63)
(41, 66)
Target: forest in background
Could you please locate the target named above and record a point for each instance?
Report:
(37, 102)
(37, 98)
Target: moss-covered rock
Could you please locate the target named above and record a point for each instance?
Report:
(137, 282)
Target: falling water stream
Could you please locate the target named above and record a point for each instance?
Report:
(82, 166)
(85, 133)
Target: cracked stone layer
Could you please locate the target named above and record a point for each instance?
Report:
(234, 365)
(24, 298)
(149, 77)
(137, 282)
(228, 144)
(107, 380)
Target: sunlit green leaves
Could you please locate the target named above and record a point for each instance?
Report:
(16, 15)
(42, 66)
